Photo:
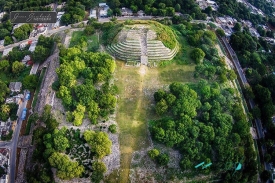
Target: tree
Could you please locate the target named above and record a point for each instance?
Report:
(153, 153)
(61, 143)
(4, 33)
(99, 142)
(89, 30)
(66, 169)
(112, 128)
(265, 175)
(237, 27)
(40, 54)
(8, 40)
(78, 115)
(17, 67)
(197, 54)
(99, 169)
(4, 65)
(161, 107)
(30, 82)
(163, 159)
(19, 34)
(220, 32)
(4, 90)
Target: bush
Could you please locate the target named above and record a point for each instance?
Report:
(153, 153)
(112, 128)
(163, 159)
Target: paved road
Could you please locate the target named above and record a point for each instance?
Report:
(12, 145)
(251, 102)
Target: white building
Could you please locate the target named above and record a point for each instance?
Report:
(103, 9)
(93, 13)
(6, 51)
(33, 45)
(2, 42)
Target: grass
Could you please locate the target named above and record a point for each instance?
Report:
(92, 41)
(38, 89)
(136, 88)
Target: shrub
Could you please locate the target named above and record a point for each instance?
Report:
(112, 128)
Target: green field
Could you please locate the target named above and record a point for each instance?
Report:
(92, 41)
(136, 88)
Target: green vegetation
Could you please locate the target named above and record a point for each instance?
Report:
(84, 98)
(31, 120)
(99, 142)
(66, 169)
(112, 128)
(91, 41)
(204, 118)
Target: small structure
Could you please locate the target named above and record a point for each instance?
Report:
(2, 43)
(15, 86)
(198, 165)
(6, 52)
(61, 5)
(126, 12)
(26, 59)
(33, 45)
(15, 99)
(92, 13)
(2, 14)
(103, 9)
(140, 13)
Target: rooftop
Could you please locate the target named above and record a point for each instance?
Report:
(15, 86)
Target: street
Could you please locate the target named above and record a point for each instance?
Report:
(12, 145)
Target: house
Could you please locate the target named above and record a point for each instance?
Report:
(15, 99)
(126, 12)
(93, 13)
(2, 14)
(103, 9)
(33, 45)
(140, 13)
(2, 43)
(6, 52)
(61, 5)
(23, 45)
(26, 59)
(15, 86)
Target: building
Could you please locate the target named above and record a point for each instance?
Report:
(15, 86)
(26, 59)
(92, 13)
(61, 5)
(2, 42)
(6, 52)
(15, 99)
(126, 12)
(140, 13)
(2, 14)
(33, 46)
(103, 9)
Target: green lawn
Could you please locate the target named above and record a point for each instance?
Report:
(92, 41)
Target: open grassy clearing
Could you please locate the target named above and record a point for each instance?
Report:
(135, 106)
(92, 41)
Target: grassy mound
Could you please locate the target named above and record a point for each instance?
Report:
(164, 33)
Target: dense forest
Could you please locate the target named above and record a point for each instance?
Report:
(259, 70)
(206, 118)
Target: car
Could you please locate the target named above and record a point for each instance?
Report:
(24, 113)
